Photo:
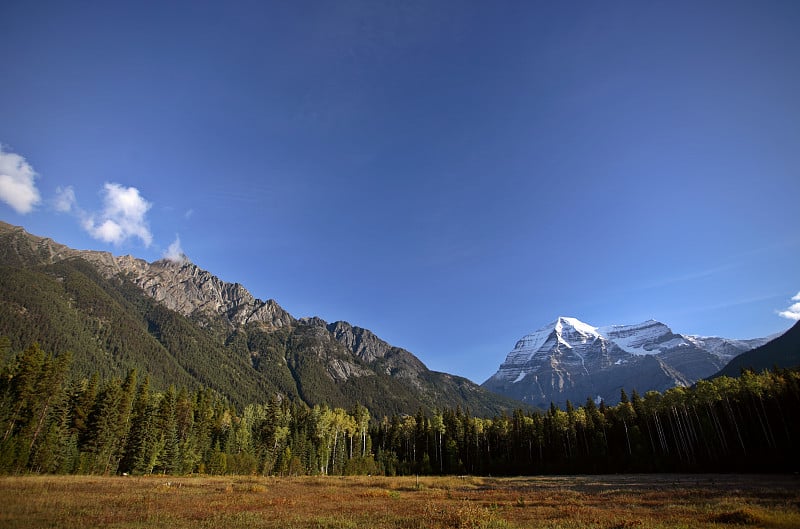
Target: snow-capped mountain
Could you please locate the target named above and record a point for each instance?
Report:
(571, 360)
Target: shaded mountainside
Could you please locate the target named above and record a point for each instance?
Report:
(782, 352)
(571, 360)
(185, 326)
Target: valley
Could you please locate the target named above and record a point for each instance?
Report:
(162, 367)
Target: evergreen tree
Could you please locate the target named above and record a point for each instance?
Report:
(139, 452)
(35, 385)
(103, 436)
(166, 425)
(83, 395)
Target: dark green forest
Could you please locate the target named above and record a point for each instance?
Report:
(54, 422)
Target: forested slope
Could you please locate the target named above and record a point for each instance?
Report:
(783, 351)
(53, 422)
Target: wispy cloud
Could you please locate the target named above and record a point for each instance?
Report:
(65, 201)
(17, 182)
(123, 216)
(793, 312)
(175, 253)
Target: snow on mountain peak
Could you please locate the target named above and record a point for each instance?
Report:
(648, 337)
(565, 329)
(581, 327)
(569, 359)
(571, 334)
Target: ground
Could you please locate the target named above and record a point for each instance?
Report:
(602, 502)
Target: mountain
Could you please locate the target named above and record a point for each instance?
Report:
(182, 325)
(783, 351)
(571, 360)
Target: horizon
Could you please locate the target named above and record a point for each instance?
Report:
(449, 177)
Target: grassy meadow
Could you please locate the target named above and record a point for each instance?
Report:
(619, 501)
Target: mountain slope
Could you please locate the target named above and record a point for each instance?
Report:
(112, 327)
(403, 366)
(571, 360)
(185, 326)
(783, 351)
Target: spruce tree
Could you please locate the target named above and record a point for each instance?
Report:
(167, 428)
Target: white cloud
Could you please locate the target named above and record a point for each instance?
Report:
(17, 185)
(175, 253)
(65, 201)
(793, 312)
(123, 216)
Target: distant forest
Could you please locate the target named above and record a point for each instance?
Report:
(53, 423)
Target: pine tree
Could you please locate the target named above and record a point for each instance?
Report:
(35, 386)
(167, 428)
(139, 457)
(101, 437)
(218, 462)
(188, 451)
(57, 450)
(83, 396)
(23, 384)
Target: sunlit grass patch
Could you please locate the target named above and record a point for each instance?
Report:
(754, 515)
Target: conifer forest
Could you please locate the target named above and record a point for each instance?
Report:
(51, 422)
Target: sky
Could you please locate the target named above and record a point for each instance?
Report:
(449, 175)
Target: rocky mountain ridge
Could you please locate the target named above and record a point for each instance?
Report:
(194, 292)
(179, 285)
(192, 313)
(571, 360)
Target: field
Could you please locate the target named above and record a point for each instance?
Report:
(607, 502)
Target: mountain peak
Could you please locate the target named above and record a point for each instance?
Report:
(569, 322)
(570, 359)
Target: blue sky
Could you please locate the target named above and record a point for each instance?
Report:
(450, 175)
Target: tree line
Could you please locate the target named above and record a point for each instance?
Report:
(745, 424)
(52, 423)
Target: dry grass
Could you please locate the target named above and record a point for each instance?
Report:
(601, 502)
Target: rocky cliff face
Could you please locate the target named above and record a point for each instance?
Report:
(381, 356)
(362, 342)
(570, 360)
(191, 291)
(179, 285)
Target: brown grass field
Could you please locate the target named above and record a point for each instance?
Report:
(607, 502)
